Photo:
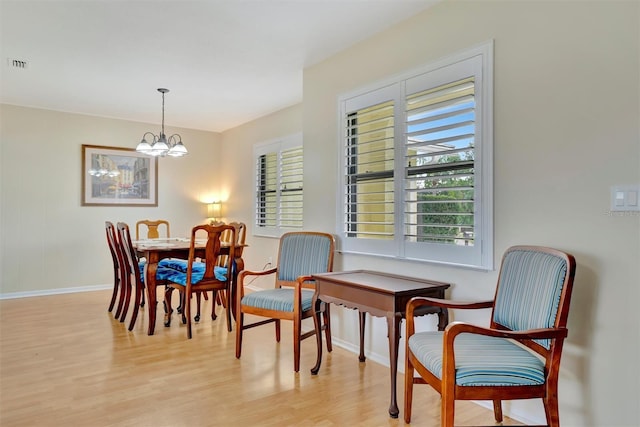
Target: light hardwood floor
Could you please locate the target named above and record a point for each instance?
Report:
(65, 361)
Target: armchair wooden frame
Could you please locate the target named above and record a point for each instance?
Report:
(451, 391)
(298, 314)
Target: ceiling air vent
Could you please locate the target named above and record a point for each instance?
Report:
(17, 63)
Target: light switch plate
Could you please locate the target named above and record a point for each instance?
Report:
(625, 198)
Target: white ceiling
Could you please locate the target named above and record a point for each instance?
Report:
(226, 62)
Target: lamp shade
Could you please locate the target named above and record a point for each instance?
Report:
(214, 210)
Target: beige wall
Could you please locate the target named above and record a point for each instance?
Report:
(566, 129)
(51, 242)
(239, 183)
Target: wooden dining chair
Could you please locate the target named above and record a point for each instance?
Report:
(516, 357)
(116, 256)
(300, 254)
(241, 233)
(152, 228)
(191, 276)
(133, 271)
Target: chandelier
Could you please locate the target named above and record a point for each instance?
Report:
(161, 145)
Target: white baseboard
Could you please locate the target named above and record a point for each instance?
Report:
(26, 294)
(40, 293)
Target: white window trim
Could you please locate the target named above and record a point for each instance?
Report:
(275, 145)
(484, 260)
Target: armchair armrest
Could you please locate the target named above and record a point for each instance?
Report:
(244, 273)
(456, 328)
(417, 302)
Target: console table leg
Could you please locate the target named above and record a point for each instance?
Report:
(318, 328)
(393, 324)
(362, 317)
(443, 318)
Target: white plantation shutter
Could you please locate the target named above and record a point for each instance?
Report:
(291, 188)
(439, 154)
(417, 164)
(279, 192)
(266, 188)
(369, 172)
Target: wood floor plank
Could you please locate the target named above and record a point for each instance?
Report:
(65, 361)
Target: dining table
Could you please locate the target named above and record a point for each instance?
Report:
(154, 250)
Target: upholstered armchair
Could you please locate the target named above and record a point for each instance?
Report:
(516, 357)
(300, 255)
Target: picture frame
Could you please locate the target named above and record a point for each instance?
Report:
(116, 176)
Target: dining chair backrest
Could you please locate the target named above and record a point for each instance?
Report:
(203, 272)
(117, 261)
(212, 253)
(153, 228)
(132, 269)
(240, 236)
(131, 260)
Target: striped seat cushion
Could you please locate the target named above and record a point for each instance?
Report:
(480, 360)
(277, 299)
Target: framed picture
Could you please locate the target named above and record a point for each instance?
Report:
(118, 176)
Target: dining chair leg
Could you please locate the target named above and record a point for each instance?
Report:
(136, 307)
(227, 309)
(214, 296)
(167, 306)
(187, 312)
(198, 295)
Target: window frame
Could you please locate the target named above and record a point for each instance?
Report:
(276, 146)
(397, 88)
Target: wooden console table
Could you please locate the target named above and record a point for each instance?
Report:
(381, 295)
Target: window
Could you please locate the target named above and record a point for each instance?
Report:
(279, 195)
(417, 162)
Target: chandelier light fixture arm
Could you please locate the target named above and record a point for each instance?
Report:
(161, 145)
